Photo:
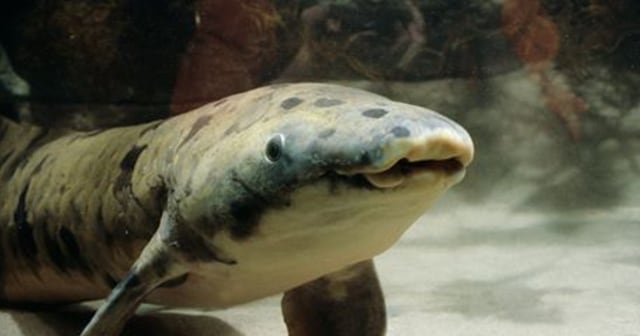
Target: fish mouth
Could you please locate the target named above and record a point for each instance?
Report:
(444, 155)
(404, 169)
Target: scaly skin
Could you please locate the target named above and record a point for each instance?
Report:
(288, 188)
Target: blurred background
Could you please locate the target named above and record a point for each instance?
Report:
(542, 237)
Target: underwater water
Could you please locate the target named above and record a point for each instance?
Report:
(542, 237)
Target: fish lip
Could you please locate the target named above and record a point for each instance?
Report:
(444, 153)
(403, 170)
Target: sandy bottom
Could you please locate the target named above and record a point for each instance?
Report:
(475, 270)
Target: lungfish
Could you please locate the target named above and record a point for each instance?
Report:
(289, 188)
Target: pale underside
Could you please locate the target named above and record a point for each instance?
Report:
(317, 235)
(322, 231)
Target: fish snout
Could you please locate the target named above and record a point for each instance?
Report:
(436, 145)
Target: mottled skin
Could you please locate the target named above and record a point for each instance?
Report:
(288, 188)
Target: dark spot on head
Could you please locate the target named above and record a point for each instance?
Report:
(327, 102)
(175, 282)
(200, 123)
(400, 132)
(24, 230)
(375, 113)
(326, 133)
(290, 103)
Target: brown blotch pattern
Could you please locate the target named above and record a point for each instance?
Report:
(23, 158)
(122, 189)
(38, 168)
(5, 159)
(24, 229)
(73, 254)
(197, 126)
(152, 126)
(93, 133)
(54, 250)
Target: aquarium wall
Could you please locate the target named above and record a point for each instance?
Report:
(542, 236)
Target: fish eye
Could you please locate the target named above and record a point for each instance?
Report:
(274, 148)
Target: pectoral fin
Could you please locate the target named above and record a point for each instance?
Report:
(347, 302)
(157, 264)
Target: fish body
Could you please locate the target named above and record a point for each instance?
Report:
(267, 191)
